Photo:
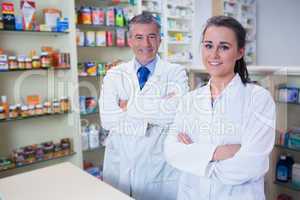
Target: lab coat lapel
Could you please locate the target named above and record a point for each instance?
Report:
(155, 78)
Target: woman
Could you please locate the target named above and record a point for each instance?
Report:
(223, 132)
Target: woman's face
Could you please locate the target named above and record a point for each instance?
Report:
(220, 52)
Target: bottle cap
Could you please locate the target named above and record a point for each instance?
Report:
(282, 157)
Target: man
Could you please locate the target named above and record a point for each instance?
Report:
(137, 104)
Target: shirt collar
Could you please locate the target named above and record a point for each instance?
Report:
(150, 65)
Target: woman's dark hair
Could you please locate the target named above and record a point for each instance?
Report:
(240, 34)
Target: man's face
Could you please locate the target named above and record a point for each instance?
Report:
(144, 40)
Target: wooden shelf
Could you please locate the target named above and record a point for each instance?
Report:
(288, 185)
(287, 148)
(101, 147)
(91, 113)
(22, 70)
(102, 27)
(39, 161)
(30, 32)
(32, 117)
(179, 18)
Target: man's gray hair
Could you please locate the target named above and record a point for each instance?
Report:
(144, 18)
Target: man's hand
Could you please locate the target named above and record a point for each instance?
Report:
(184, 138)
(168, 96)
(227, 151)
(123, 104)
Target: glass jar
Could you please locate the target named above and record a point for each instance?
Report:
(21, 62)
(18, 109)
(24, 111)
(36, 63)
(45, 60)
(31, 110)
(56, 106)
(13, 111)
(47, 107)
(48, 148)
(28, 63)
(2, 113)
(39, 110)
(64, 104)
(12, 62)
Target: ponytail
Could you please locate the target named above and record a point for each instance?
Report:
(241, 69)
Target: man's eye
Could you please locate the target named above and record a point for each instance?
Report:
(139, 37)
(152, 37)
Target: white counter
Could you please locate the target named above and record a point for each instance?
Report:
(58, 182)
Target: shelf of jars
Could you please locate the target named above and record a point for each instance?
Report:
(89, 113)
(33, 32)
(10, 113)
(287, 148)
(34, 69)
(37, 153)
(288, 185)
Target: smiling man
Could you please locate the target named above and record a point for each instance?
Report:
(137, 104)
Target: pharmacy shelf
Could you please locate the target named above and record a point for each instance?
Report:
(102, 27)
(30, 32)
(90, 113)
(102, 47)
(22, 70)
(106, 3)
(179, 18)
(90, 76)
(287, 148)
(179, 61)
(288, 185)
(178, 43)
(178, 30)
(181, 6)
(39, 161)
(101, 147)
(32, 117)
(288, 103)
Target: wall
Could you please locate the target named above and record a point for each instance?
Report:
(278, 32)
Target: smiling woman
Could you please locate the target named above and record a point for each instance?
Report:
(225, 154)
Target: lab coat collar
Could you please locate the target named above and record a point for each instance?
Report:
(235, 82)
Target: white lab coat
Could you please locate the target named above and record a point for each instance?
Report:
(240, 115)
(134, 160)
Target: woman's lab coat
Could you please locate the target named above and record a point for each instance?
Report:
(134, 160)
(240, 115)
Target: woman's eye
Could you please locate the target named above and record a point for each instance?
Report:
(208, 46)
(223, 48)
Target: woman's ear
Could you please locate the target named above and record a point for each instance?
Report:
(241, 53)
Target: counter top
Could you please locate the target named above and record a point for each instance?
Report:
(58, 182)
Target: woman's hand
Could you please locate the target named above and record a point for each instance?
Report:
(184, 138)
(224, 152)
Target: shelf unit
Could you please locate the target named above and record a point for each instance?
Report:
(179, 15)
(90, 85)
(245, 12)
(175, 27)
(49, 84)
(287, 118)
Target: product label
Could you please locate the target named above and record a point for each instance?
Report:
(282, 173)
(7, 8)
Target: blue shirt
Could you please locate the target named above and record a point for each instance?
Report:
(150, 65)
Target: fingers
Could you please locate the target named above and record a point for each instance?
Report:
(170, 95)
(184, 138)
(123, 104)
